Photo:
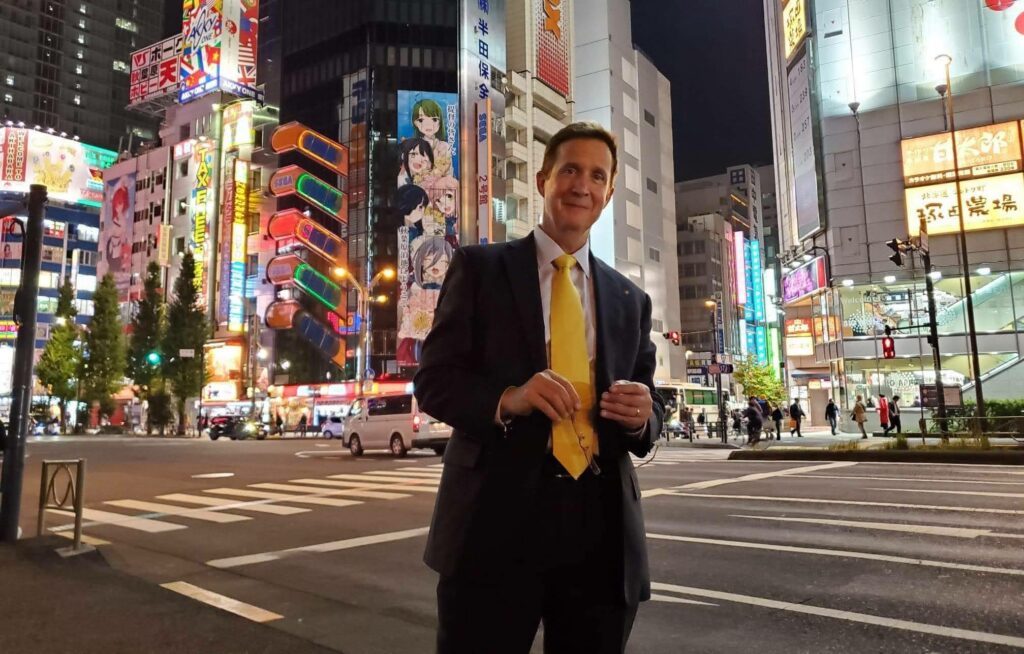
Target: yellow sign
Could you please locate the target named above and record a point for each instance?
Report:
(799, 346)
(794, 26)
(989, 203)
(981, 152)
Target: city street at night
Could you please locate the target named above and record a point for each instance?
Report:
(804, 557)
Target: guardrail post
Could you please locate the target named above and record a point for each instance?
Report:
(74, 492)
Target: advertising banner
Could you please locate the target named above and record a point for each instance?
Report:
(239, 235)
(804, 280)
(794, 26)
(804, 156)
(988, 203)
(200, 208)
(71, 170)
(154, 71)
(239, 47)
(981, 152)
(553, 18)
(428, 201)
(116, 222)
(202, 25)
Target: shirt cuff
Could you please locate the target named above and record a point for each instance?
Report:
(637, 433)
(497, 411)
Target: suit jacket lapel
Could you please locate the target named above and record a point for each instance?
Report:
(604, 290)
(521, 266)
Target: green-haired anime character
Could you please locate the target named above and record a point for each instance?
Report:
(428, 120)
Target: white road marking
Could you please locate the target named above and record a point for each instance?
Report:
(332, 546)
(248, 611)
(418, 475)
(213, 475)
(846, 554)
(354, 489)
(259, 506)
(711, 483)
(815, 500)
(931, 530)
(850, 616)
(657, 597)
(914, 479)
(654, 492)
(298, 499)
(88, 540)
(323, 445)
(159, 509)
(97, 517)
(434, 470)
(313, 491)
(950, 492)
(424, 483)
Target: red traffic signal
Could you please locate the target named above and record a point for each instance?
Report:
(888, 348)
(672, 336)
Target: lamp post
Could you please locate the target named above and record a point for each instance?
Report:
(713, 306)
(364, 300)
(972, 335)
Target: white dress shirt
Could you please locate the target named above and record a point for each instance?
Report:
(547, 252)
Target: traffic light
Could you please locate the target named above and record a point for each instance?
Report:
(888, 344)
(896, 246)
(153, 358)
(673, 337)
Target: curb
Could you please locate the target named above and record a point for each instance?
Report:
(991, 457)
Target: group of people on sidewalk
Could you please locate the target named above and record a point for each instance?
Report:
(760, 415)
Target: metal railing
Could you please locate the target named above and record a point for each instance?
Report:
(71, 495)
(974, 427)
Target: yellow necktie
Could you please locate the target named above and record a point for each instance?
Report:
(572, 439)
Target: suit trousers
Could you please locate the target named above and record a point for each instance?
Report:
(570, 578)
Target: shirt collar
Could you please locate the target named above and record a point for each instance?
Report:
(548, 251)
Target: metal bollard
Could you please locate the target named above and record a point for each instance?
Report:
(74, 491)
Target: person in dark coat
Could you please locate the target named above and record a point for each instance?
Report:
(777, 417)
(755, 421)
(796, 414)
(832, 414)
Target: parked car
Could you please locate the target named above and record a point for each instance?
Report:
(333, 427)
(392, 422)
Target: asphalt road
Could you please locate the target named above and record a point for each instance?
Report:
(761, 556)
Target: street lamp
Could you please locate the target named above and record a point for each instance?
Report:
(946, 61)
(365, 299)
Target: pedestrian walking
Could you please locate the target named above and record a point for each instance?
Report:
(894, 414)
(755, 421)
(303, 421)
(777, 417)
(796, 415)
(702, 421)
(737, 422)
(279, 422)
(832, 415)
(859, 415)
(883, 413)
(536, 517)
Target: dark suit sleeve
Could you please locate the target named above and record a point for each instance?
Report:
(643, 372)
(448, 385)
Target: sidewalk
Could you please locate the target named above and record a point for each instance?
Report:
(81, 604)
(818, 437)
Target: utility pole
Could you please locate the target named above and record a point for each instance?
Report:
(26, 305)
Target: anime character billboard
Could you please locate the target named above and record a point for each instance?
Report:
(427, 197)
(116, 230)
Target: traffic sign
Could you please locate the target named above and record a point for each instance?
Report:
(717, 369)
(930, 396)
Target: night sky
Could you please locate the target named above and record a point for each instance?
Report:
(713, 53)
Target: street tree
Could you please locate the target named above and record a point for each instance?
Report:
(147, 331)
(188, 330)
(59, 363)
(759, 380)
(103, 363)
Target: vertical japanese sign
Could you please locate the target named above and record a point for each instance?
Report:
(482, 66)
(739, 269)
(428, 200)
(553, 17)
(223, 258)
(201, 197)
(154, 70)
(804, 155)
(239, 234)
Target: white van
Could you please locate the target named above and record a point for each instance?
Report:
(392, 422)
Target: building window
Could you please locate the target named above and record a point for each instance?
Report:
(737, 176)
(183, 169)
(652, 185)
(79, 69)
(179, 245)
(182, 206)
(654, 255)
(9, 80)
(649, 118)
(78, 99)
(82, 10)
(79, 54)
(119, 65)
(125, 24)
(657, 326)
(8, 97)
(81, 23)
(81, 39)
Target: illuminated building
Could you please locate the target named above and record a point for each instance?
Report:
(862, 151)
(72, 172)
(618, 86)
(66, 67)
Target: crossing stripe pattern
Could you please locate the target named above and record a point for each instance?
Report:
(224, 505)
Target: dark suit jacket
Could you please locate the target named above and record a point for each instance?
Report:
(488, 334)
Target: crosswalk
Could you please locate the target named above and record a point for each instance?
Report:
(176, 511)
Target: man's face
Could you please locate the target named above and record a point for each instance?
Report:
(578, 186)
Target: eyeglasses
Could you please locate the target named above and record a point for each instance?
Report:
(592, 460)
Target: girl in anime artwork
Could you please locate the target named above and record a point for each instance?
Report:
(118, 250)
(428, 121)
(412, 202)
(444, 203)
(417, 161)
(430, 262)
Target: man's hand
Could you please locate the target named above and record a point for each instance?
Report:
(547, 392)
(627, 403)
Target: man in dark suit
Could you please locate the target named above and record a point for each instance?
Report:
(541, 360)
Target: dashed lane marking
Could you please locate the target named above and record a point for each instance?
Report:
(816, 500)
(950, 492)
(160, 509)
(931, 530)
(711, 483)
(221, 503)
(300, 499)
(913, 479)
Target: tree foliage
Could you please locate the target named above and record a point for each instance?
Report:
(105, 356)
(59, 363)
(188, 329)
(147, 331)
(759, 380)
